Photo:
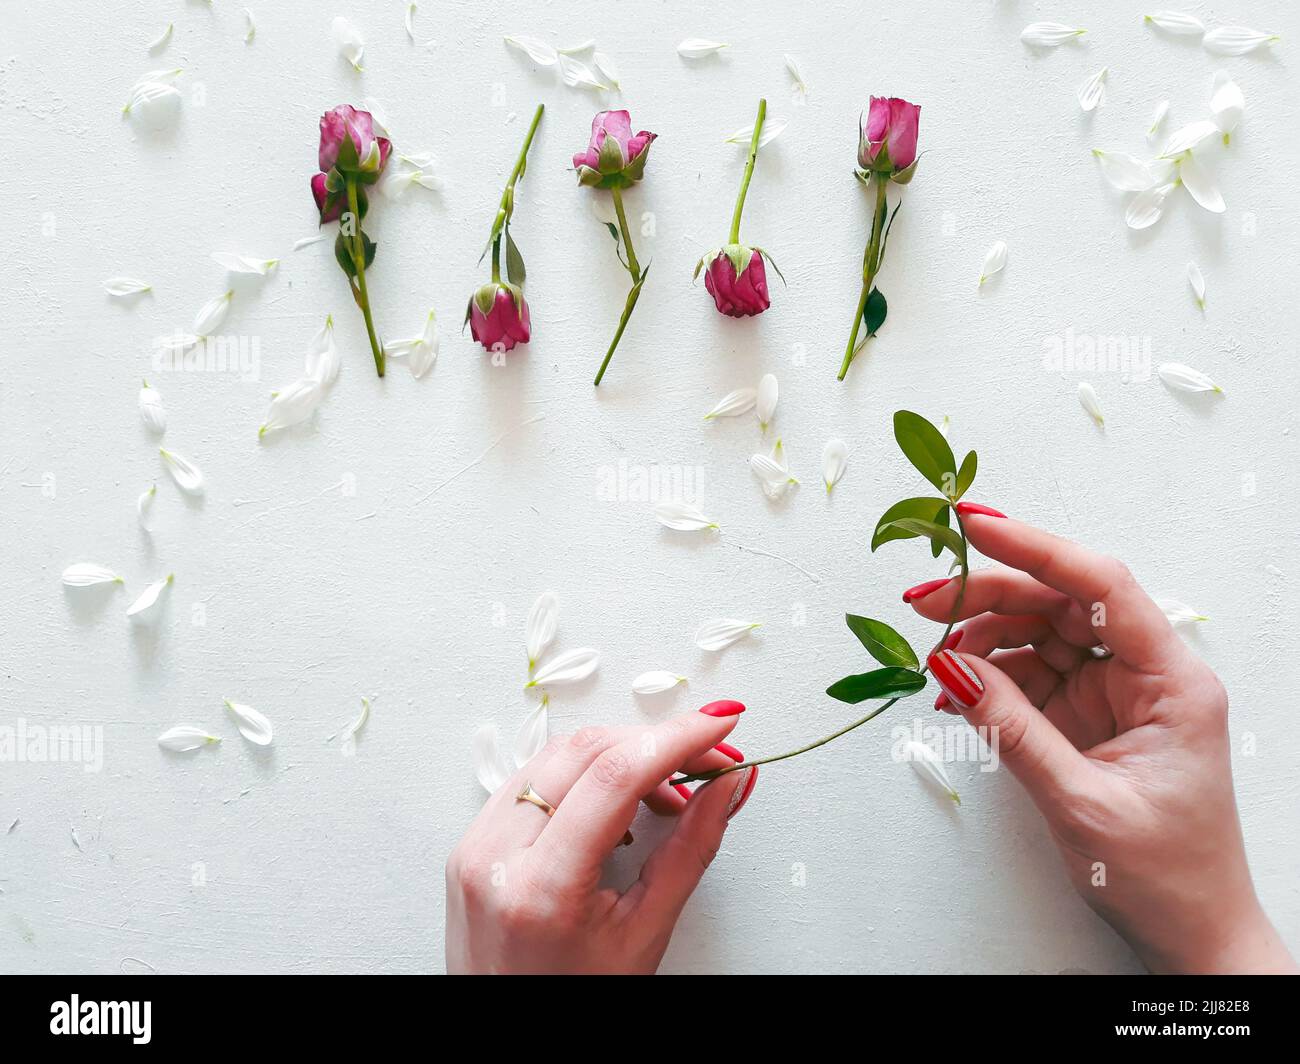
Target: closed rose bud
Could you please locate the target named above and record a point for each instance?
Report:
(887, 142)
(498, 317)
(615, 157)
(348, 141)
(737, 280)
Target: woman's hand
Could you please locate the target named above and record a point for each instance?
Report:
(1126, 755)
(523, 889)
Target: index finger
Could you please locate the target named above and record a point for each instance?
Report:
(1125, 617)
(598, 809)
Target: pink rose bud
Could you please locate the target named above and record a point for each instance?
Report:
(737, 280)
(348, 141)
(887, 142)
(498, 316)
(615, 158)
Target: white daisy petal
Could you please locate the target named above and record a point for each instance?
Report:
(249, 264)
(144, 504)
(187, 475)
(292, 405)
(252, 725)
(994, 259)
(1145, 208)
(490, 766)
(1197, 280)
(210, 316)
(1123, 171)
(1089, 401)
(1179, 613)
(145, 608)
(160, 42)
(741, 401)
(765, 401)
(1226, 104)
(251, 30)
(1188, 138)
(720, 634)
(792, 65)
(1185, 379)
(308, 241)
(772, 129)
(1092, 93)
(1048, 34)
(606, 68)
(1236, 40)
(577, 75)
(322, 361)
(653, 683)
(682, 516)
(184, 738)
(537, 50)
(350, 733)
(351, 45)
(126, 286)
(539, 629)
(151, 409)
(154, 103)
(1200, 184)
(835, 457)
(572, 666)
(87, 574)
(532, 735)
(581, 48)
(1158, 117)
(698, 48)
(929, 765)
(1176, 22)
(767, 469)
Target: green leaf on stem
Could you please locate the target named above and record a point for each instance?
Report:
(514, 261)
(880, 683)
(927, 450)
(873, 314)
(882, 642)
(966, 474)
(884, 240)
(935, 532)
(926, 509)
(936, 548)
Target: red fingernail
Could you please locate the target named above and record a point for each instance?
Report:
(958, 680)
(742, 792)
(964, 508)
(683, 790)
(725, 708)
(921, 590)
(730, 751)
(941, 701)
(954, 637)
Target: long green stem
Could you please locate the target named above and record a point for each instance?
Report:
(952, 620)
(634, 268)
(359, 263)
(507, 206)
(870, 266)
(496, 260)
(749, 172)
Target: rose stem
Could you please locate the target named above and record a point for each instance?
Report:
(634, 268)
(359, 262)
(507, 207)
(749, 172)
(870, 265)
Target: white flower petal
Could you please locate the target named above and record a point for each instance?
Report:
(532, 735)
(252, 725)
(576, 74)
(765, 401)
(1236, 40)
(156, 103)
(151, 409)
(292, 405)
(351, 44)
(792, 65)
(698, 48)
(579, 49)
(489, 765)
(741, 401)
(87, 574)
(126, 286)
(1226, 103)
(145, 607)
(653, 683)
(252, 27)
(1188, 138)
(245, 263)
(835, 457)
(350, 733)
(1185, 379)
(682, 516)
(570, 667)
(720, 634)
(187, 475)
(929, 765)
(210, 316)
(1179, 613)
(144, 504)
(1145, 208)
(1176, 22)
(1158, 117)
(1089, 401)
(1123, 171)
(1200, 184)
(539, 629)
(308, 241)
(538, 51)
(605, 67)
(768, 470)
(184, 738)
(1092, 93)
(1197, 280)
(160, 42)
(322, 361)
(176, 342)
(994, 259)
(1048, 34)
(772, 128)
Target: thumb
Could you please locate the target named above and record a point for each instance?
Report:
(1038, 755)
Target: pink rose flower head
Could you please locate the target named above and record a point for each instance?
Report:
(498, 316)
(736, 278)
(615, 157)
(348, 141)
(887, 142)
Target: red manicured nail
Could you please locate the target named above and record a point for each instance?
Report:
(724, 708)
(954, 637)
(682, 789)
(742, 793)
(964, 508)
(941, 701)
(957, 679)
(921, 590)
(730, 751)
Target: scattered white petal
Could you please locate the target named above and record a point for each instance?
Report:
(1200, 184)
(160, 42)
(697, 48)
(177, 341)
(682, 516)
(772, 128)
(570, 667)
(1048, 34)
(944, 426)
(245, 263)
(1145, 208)
(252, 27)
(1179, 613)
(126, 286)
(489, 765)
(1123, 171)
(410, 20)
(576, 74)
(1089, 401)
(154, 98)
(87, 574)
(835, 457)
(1158, 118)
(252, 725)
(351, 44)
(720, 634)
(187, 475)
(420, 351)
(532, 734)
(1185, 379)
(307, 241)
(144, 504)
(151, 409)
(773, 471)
(322, 361)
(929, 765)
(1236, 40)
(765, 401)
(1177, 22)
(144, 608)
(653, 683)
(741, 401)
(605, 67)
(539, 629)
(184, 738)
(538, 51)
(210, 316)
(350, 733)
(1188, 138)
(1197, 280)
(792, 65)
(1092, 94)
(292, 405)
(994, 259)
(579, 49)
(1226, 104)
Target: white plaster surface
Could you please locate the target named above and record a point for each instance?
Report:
(393, 547)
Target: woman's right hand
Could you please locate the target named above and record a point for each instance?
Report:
(1125, 755)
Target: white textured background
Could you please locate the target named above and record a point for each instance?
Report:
(416, 593)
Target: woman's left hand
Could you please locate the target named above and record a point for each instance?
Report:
(523, 889)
